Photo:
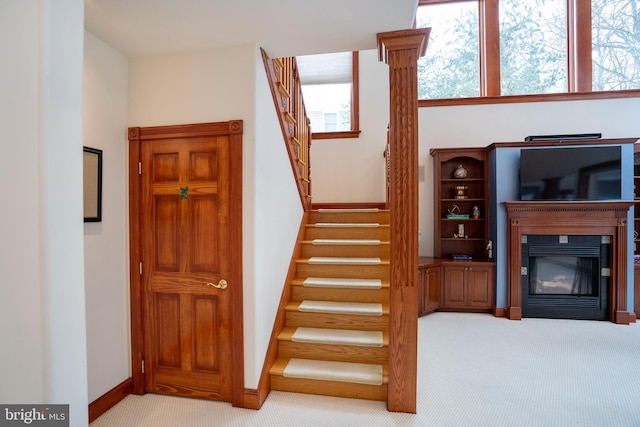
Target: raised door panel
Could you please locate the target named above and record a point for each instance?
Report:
(454, 289)
(429, 291)
(480, 287)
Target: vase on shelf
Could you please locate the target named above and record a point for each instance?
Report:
(460, 172)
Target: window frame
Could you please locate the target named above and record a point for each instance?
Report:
(355, 107)
(579, 59)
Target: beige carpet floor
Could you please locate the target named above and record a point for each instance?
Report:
(473, 370)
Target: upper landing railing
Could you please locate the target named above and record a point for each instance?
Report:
(286, 89)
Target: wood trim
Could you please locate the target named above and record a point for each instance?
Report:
(363, 205)
(336, 135)
(401, 50)
(489, 28)
(235, 267)
(563, 143)
(234, 130)
(135, 258)
(499, 312)
(253, 399)
(110, 399)
(632, 317)
(355, 92)
(606, 218)
(546, 97)
(579, 45)
(264, 385)
(636, 286)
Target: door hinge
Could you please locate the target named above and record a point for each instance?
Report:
(141, 268)
(139, 168)
(143, 366)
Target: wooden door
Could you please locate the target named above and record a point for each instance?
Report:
(480, 285)
(454, 293)
(189, 269)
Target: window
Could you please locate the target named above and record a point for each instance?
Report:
(330, 90)
(533, 46)
(544, 49)
(451, 67)
(616, 44)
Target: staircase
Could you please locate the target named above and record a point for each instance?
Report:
(335, 340)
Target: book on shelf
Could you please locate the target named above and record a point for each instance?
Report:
(457, 216)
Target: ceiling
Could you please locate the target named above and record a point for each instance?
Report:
(281, 27)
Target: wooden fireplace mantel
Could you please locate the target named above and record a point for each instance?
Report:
(570, 218)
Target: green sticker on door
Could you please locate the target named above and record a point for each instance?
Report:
(183, 192)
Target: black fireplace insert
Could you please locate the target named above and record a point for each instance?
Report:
(565, 276)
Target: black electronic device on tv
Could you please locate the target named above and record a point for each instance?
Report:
(556, 137)
(571, 173)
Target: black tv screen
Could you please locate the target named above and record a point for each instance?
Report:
(571, 173)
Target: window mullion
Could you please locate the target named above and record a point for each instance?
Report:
(489, 33)
(579, 45)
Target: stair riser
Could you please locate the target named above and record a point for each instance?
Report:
(332, 352)
(344, 271)
(380, 233)
(381, 217)
(337, 321)
(301, 293)
(329, 388)
(380, 251)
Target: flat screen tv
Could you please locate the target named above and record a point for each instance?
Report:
(571, 173)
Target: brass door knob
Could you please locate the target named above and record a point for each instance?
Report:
(222, 284)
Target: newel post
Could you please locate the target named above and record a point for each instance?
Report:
(401, 50)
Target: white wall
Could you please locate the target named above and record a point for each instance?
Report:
(277, 215)
(219, 85)
(106, 243)
(21, 318)
(42, 328)
(352, 170)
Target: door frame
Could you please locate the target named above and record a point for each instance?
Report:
(136, 135)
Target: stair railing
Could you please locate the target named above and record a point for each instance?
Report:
(286, 90)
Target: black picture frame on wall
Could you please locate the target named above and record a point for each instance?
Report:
(92, 184)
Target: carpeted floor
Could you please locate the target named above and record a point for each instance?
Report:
(473, 370)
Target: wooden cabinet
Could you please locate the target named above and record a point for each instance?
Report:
(468, 285)
(429, 285)
(461, 228)
(461, 206)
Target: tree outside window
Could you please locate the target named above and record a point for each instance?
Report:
(540, 47)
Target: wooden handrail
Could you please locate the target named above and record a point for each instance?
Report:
(286, 89)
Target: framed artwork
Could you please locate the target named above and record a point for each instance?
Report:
(92, 183)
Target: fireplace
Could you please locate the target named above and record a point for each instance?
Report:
(565, 276)
(587, 220)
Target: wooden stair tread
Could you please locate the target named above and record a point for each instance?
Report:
(335, 282)
(335, 336)
(350, 372)
(332, 307)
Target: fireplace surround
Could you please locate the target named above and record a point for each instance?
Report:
(593, 218)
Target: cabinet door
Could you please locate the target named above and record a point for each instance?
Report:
(480, 287)
(454, 288)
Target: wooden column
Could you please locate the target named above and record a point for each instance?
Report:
(401, 50)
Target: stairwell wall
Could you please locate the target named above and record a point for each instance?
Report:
(227, 84)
